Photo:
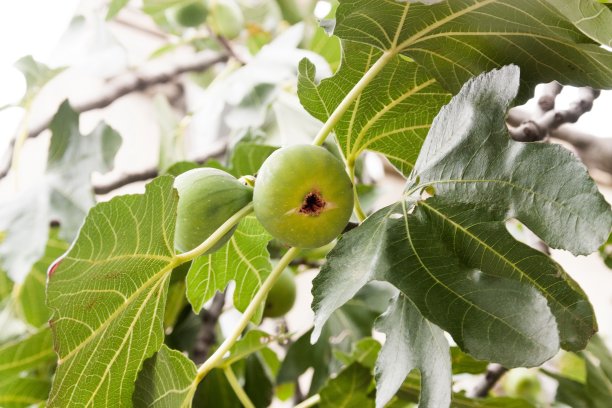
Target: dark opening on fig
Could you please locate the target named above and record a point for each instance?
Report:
(313, 204)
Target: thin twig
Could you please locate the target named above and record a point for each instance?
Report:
(230, 49)
(129, 83)
(494, 373)
(138, 81)
(206, 335)
(148, 174)
(537, 129)
(137, 27)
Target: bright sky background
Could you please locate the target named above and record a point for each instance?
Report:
(27, 27)
(34, 27)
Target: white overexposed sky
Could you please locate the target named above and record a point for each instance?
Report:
(34, 27)
(29, 27)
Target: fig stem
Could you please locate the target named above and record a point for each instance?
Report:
(309, 402)
(238, 390)
(217, 357)
(359, 213)
(215, 236)
(348, 100)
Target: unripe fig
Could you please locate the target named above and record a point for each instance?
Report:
(303, 196)
(282, 295)
(225, 18)
(207, 198)
(192, 14)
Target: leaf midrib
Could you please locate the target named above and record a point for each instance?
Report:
(119, 310)
(513, 185)
(471, 304)
(502, 258)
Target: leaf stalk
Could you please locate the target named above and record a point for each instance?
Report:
(352, 95)
(240, 393)
(309, 402)
(217, 357)
(215, 236)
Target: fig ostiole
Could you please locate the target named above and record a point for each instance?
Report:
(303, 196)
(207, 198)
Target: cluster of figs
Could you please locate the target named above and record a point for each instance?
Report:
(302, 196)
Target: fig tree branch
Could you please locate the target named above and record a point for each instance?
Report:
(536, 129)
(492, 376)
(595, 152)
(148, 174)
(206, 335)
(132, 82)
(137, 82)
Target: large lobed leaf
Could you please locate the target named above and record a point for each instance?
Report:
(36, 75)
(412, 342)
(433, 49)
(244, 259)
(391, 116)
(457, 39)
(108, 296)
(451, 254)
(350, 389)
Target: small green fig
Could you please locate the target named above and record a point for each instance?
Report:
(225, 18)
(192, 14)
(303, 196)
(281, 297)
(523, 383)
(207, 198)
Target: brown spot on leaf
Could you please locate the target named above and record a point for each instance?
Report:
(54, 266)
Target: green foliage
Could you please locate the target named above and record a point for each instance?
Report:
(595, 390)
(36, 75)
(23, 391)
(31, 294)
(454, 246)
(480, 35)
(392, 115)
(606, 252)
(225, 18)
(351, 388)
(244, 259)
(122, 260)
(412, 342)
(166, 380)
(27, 353)
(115, 7)
(129, 325)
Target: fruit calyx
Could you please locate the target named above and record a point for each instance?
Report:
(313, 204)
